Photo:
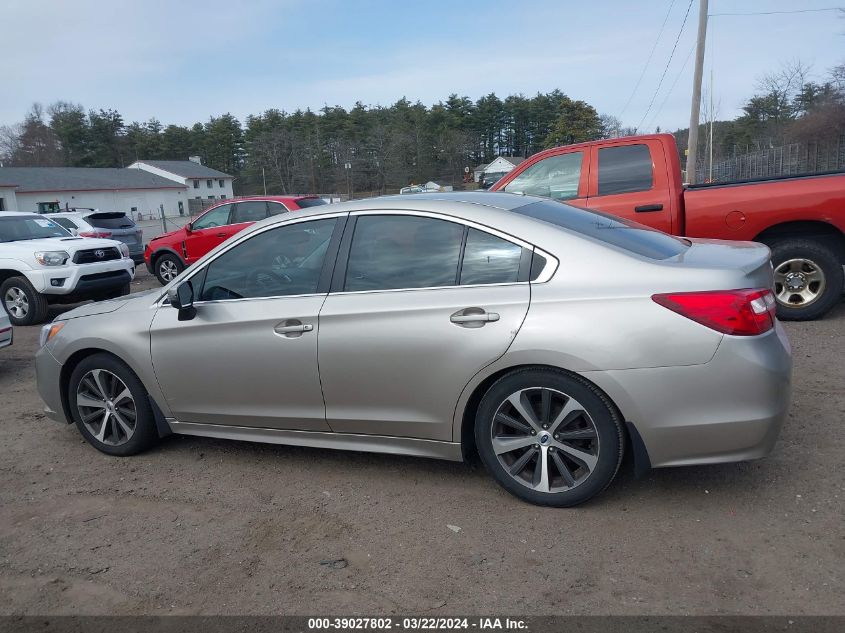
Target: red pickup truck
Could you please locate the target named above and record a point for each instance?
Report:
(800, 218)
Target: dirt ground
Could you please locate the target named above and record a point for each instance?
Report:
(200, 526)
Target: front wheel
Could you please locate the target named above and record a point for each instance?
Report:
(549, 437)
(808, 279)
(167, 267)
(22, 302)
(110, 406)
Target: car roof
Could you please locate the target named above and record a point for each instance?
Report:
(20, 214)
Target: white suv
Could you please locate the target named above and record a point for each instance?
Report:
(42, 263)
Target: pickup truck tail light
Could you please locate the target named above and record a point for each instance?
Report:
(737, 312)
(102, 234)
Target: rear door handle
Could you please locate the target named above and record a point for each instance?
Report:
(643, 208)
(473, 317)
(292, 328)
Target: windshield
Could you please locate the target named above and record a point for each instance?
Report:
(21, 228)
(625, 234)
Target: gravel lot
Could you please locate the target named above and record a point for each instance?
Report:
(199, 526)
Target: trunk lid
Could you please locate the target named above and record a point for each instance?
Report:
(742, 264)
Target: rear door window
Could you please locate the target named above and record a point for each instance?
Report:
(489, 260)
(625, 169)
(250, 211)
(403, 251)
(276, 208)
(556, 177)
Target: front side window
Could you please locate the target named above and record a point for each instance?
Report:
(250, 211)
(401, 251)
(624, 169)
(279, 262)
(218, 216)
(489, 260)
(556, 177)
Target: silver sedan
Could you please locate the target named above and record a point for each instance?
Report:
(544, 338)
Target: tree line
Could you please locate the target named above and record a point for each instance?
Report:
(365, 148)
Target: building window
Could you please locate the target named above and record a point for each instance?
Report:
(196, 184)
(197, 197)
(220, 182)
(222, 196)
(208, 184)
(2, 204)
(211, 197)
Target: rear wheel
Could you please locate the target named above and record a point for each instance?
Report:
(110, 406)
(548, 437)
(22, 302)
(167, 267)
(808, 279)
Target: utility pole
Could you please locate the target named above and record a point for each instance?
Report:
(264, 180)
(692, 146)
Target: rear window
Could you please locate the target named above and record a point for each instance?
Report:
(304, 203)
(110, 221)
(624, 169)
(619, 232)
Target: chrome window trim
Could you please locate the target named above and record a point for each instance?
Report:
(361, 292)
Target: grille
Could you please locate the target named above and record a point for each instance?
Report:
(90, 256)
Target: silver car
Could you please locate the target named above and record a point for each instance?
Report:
(545, 338)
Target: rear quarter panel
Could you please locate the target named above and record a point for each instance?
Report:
(743, 211)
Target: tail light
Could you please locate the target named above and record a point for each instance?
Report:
(104, 234)
(738, 312)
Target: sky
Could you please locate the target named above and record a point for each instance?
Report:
(183, 61)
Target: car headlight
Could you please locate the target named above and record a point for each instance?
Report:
(49, 331)
(51, 258)
(124, 249)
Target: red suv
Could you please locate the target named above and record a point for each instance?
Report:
(167, 255)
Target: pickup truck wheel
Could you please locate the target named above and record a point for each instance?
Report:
(167, 267)
(808, 279)
(24, 305)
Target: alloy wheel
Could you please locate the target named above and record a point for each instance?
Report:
(798, 282)
(167, 269)
(545, 440)
(16, 302)
(106, 407)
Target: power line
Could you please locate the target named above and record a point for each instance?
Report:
(672, 87)
(648, 61)
(711, 15)
(671, 55)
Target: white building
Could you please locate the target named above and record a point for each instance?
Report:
(139, 192)
(202, 183)
(501, 166)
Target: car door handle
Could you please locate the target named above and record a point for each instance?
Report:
(221, 235)
(644, 208)
(473, 317)
(292, 327)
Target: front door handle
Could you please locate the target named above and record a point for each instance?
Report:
(644, 208)
(473, 317)
(292, 328)
(221, 235)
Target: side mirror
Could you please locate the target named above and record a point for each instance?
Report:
(182, 298)
(188, 228)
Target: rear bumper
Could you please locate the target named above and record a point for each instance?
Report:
(729, 409)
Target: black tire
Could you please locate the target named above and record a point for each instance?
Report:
(606, 421)
(167, 260)
(145, 434)
(36, 303)
(819, 256)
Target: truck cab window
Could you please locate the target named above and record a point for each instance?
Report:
(625, 169)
